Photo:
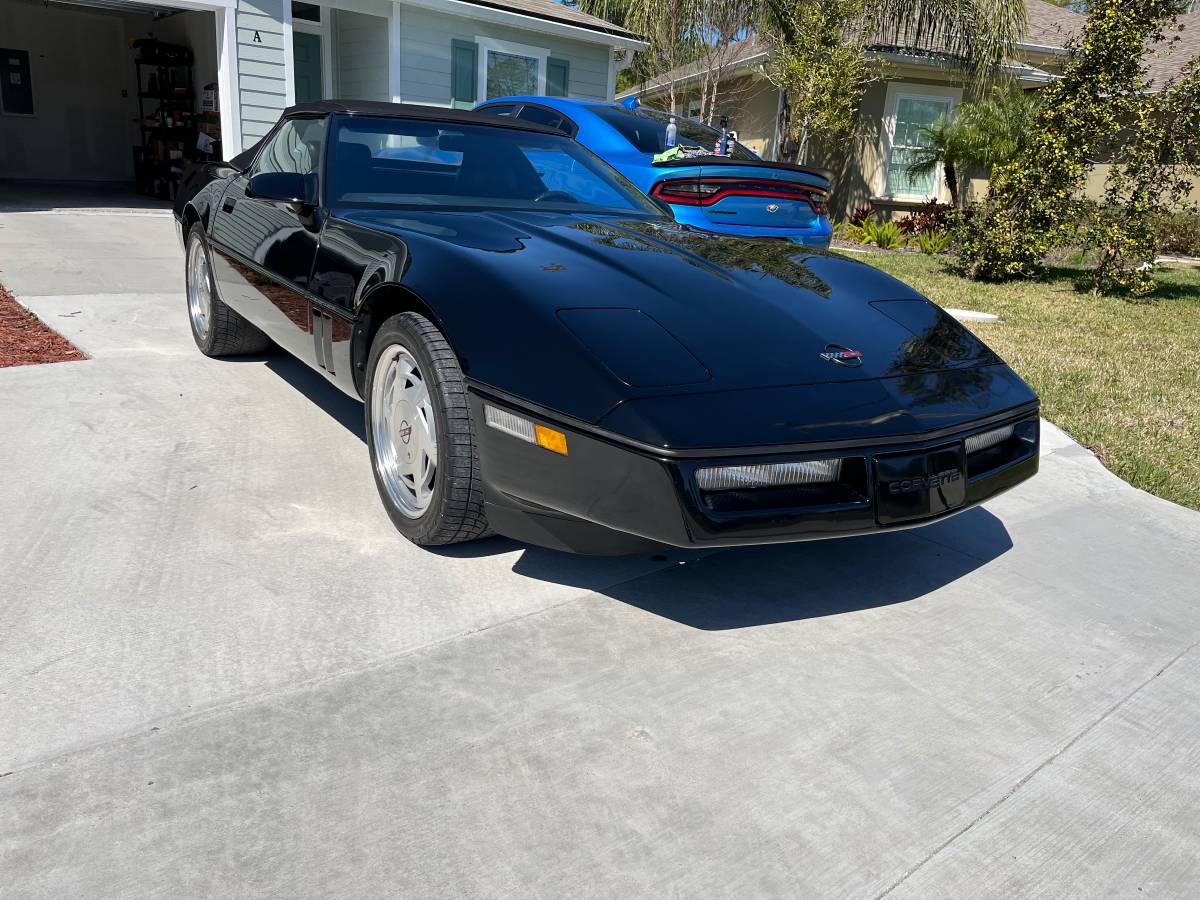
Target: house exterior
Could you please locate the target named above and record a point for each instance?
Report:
(436, 52)
(915, 90)
(69, 108)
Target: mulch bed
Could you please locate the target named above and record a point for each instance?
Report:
(26, 341)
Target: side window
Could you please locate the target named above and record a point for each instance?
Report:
(295, 147)
(500, 109)
(542, 116)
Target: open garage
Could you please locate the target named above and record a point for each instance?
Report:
(108, 93)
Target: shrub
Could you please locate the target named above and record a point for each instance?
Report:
(861, 214)
(1033, 199)
(933, 242)
(884, 235)
(1178, 232)
(1154, 177)
(932, 216)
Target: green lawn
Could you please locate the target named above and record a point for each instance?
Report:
(1121, 378)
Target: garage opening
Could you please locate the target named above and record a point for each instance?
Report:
(106, 94)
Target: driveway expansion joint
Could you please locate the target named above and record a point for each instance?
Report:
(1028, 776)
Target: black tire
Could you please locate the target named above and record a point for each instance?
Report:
(221, 332)
(455, 510)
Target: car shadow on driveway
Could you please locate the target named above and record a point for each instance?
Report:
(767, 585)
(738, 588)
(344, 410)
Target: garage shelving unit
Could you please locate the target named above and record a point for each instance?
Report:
(166, 117)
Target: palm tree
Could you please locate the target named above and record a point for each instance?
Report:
(999, 124)
(946, 146)
(980, 34)
(983, 134)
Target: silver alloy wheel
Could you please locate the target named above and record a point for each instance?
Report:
(199, 287)
(403, 431)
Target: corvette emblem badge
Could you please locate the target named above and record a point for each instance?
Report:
(843, 356)
(772, 207)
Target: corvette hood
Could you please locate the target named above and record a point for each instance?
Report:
(660, 310)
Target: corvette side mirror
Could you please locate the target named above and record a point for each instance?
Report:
(279, 187)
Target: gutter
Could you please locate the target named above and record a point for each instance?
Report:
(501, 15)
(694, 76)
(1048, 49)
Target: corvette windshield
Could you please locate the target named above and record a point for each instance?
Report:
(399, 162)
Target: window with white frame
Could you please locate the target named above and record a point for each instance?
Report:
(507, 69)
(909, 115)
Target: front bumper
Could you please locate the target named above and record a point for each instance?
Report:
(612, 496)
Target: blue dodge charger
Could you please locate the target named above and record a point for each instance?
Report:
(737, 193)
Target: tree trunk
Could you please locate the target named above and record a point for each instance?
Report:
(802, 148)
(951, 183)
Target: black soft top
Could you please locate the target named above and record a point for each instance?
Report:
(396, 111)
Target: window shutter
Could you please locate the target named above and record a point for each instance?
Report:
(464, 70)
(558, 77)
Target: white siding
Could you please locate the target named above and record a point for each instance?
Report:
(361, 57)
(361, 50)
(262, 88)
(425, 39)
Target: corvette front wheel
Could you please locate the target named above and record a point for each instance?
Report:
(420, 436)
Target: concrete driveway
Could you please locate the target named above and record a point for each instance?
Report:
(223, 674)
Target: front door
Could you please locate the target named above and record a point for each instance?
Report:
(306, 51)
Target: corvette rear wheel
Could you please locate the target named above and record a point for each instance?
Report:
(420, 436)
(217, 329)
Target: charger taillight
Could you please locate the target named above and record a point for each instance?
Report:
(705, 191)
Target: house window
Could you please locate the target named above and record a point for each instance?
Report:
(507, 69)
(910, 114)
(307, 12)
(16, 90)
(510, 74)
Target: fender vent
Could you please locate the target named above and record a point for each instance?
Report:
(322, 329)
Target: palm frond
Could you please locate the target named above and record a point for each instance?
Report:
(981, 35)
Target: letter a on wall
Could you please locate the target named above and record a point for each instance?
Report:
(257, 37)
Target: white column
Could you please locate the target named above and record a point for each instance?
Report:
(227, 83)
(289, 57)
(395, 83)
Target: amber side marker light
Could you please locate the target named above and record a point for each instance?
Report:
(551, 439)
(525, 430)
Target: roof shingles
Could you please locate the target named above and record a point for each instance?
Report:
(556, 12)
(1168, 59)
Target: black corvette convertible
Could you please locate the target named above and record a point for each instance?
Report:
(544, 353)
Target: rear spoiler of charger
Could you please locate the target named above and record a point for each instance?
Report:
(749, 163)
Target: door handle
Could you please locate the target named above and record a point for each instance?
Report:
(228, 204)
